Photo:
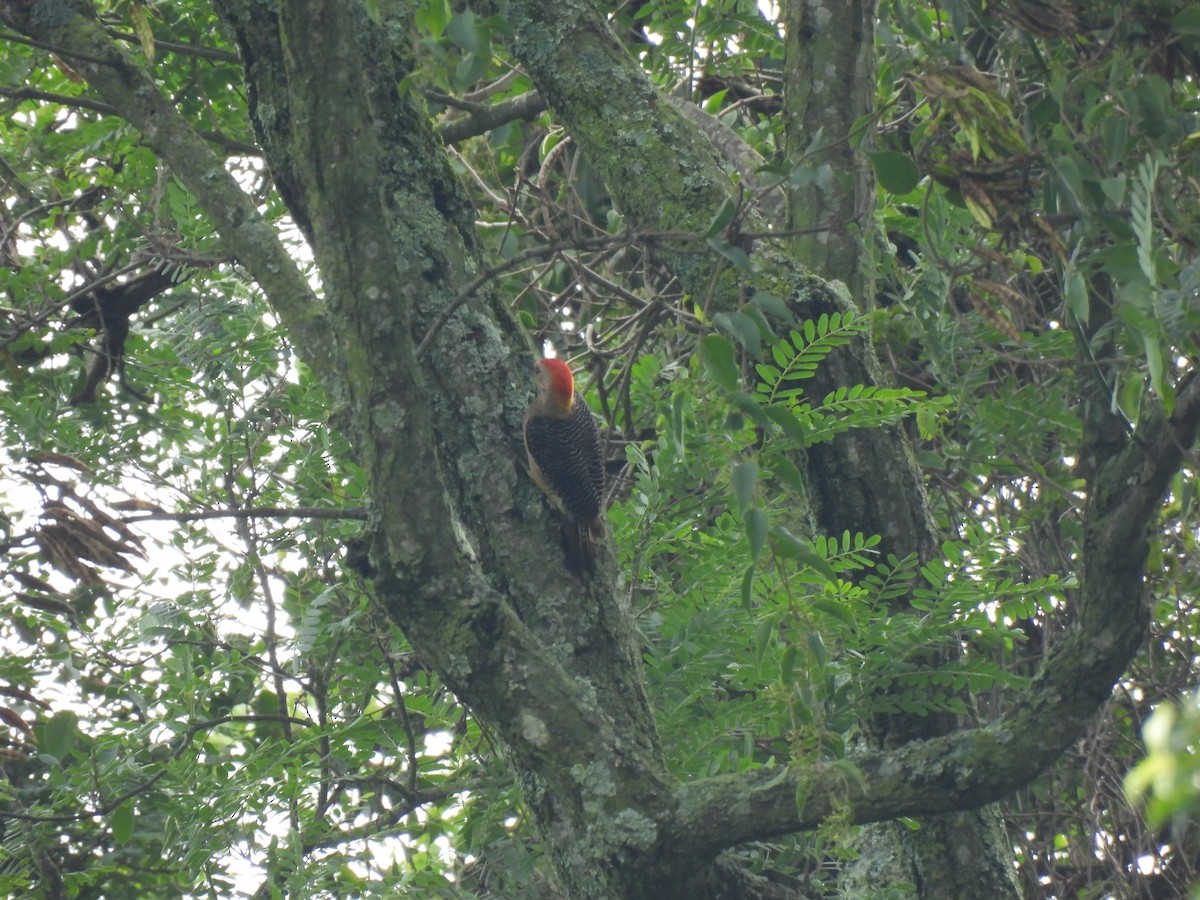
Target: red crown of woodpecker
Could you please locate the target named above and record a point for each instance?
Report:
(562, 382)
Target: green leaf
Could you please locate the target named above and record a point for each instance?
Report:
(850, 772)
(786, 420)
(121, 821)
(722, 219)
(762, 637)
(741, 328)
(678, 429)
(434, 16)
(1115, 133)
(1141, 207)
(756, 530)
(712, 105)
(717, 357)
(745, 478)
(978, 211)
(755, 315)
(895, 171)
(803, 789)
(464, 32)
(1070, 179)
(787, 665)
(1076, 294)
(1155, 364)
(835, 609)
(472, 68)
(787, 544)
(1114, 190)
(816, 646)
(773, 306)
(1186, 21)
(748, 587)
(788, 472)
(60, 734)
(735, 255)
(747, 405)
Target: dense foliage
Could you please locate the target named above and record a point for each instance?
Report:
(202, 696)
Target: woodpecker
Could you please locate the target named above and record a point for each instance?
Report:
(566, 461)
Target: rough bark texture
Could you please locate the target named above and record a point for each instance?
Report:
(829, 90)
(461, 538)
(829, 75)
(393, 235)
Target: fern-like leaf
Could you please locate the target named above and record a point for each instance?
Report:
(798, 355)
(1141, 210)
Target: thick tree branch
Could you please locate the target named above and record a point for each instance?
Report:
(24, 93)
(197, 50)
(867, 483)
(466, 561)
(21, 94)
(525, 106)
(1137, 478)
(971, 768)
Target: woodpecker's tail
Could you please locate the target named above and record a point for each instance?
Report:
(581, 543)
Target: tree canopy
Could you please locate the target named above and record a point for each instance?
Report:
(888, 311)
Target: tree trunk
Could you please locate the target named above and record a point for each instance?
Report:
(430, 387)
(829, 73)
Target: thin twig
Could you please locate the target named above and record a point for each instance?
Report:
(625, 237)
(255, 512)
(185, 741)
